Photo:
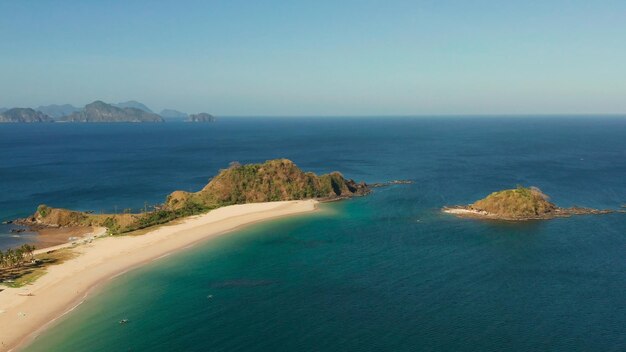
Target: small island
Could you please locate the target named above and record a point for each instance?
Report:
(521, 203)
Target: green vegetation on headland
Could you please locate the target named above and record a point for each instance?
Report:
(273, 180)
(521, 203)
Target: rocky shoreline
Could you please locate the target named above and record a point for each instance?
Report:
(390, 183)
(467, 211)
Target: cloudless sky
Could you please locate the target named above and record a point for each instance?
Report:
(318, 57)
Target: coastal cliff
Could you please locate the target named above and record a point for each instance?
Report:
(273, 180)
(518, 204)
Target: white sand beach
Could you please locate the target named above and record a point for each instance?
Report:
(26, 311)
(468, 212)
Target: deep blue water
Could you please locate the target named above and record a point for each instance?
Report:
(384, 272)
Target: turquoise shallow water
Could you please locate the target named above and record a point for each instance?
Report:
(383, 272)
(361, 278)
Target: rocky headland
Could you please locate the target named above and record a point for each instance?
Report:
(273, 180)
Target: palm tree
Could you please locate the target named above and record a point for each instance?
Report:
(19, 256)
(29, 250)
(10, 255)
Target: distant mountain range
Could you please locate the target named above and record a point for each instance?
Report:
(99, 111)
(24, 115)
(170, 114)
(56, 111)
(133, 104)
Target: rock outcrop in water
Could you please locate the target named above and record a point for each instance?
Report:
(273, 180)
(24, 115)
(99, 111)
(518, 204)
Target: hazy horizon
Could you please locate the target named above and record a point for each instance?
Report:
(355, 58)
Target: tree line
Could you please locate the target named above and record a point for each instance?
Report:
(16, 257)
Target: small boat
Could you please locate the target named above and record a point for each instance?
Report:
(123, 321)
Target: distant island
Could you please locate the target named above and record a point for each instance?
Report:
(133, 104)
(273, 180)
(170, 114)
(24, 115)
(201, 117)
(58, 111)
(99, 111)
(518, 204)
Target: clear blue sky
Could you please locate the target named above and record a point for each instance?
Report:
(318, 57)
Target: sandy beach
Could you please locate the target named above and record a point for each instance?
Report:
(26, 311)
(466, 212)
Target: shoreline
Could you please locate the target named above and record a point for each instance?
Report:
(467, 212)
(65, 286)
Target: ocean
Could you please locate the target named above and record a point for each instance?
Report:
(386, 272)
